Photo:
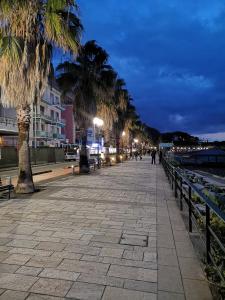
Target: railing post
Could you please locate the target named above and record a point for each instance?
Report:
(172, 177)
(189, 209)
(207, 221)
(175, 184)
(181, 193)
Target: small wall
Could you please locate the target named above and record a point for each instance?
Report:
(9, 157)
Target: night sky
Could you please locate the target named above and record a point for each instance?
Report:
(171, 53)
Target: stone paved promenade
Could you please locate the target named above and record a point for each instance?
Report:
(115, 234)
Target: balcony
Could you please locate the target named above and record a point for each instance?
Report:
(59, 136)
(8, 126)
(44, 117)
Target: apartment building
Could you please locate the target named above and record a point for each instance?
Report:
(8, 127)
(46, 128)
(70, 128)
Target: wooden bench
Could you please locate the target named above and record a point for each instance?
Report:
(6, 188)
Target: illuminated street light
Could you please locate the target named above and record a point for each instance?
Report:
(136, 141)
(99, 123)
(123, 133)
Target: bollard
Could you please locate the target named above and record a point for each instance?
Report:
(73, 169)
(8, 180)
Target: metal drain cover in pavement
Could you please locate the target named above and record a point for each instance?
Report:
(134, 240)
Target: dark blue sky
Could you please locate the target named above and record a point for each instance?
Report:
(171, 53)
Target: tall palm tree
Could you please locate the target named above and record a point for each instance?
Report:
(121, 98)
(90, 80)
(28, 32)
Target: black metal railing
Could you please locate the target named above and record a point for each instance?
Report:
(205, 214)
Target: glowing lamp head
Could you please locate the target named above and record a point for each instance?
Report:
(123, 133)
(98, 122)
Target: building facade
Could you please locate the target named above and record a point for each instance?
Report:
(46, 128)
(8, 127)
(70, 127)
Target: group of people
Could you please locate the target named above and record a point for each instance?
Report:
(138, 154)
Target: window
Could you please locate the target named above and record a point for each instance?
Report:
(52, 114)
(52, 98)
(42, 110)
(57, 116)
(56, 99)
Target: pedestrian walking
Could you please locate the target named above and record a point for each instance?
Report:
(136, 155)
(153, 154)
(160, 156)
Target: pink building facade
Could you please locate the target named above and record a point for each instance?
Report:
(70, 129)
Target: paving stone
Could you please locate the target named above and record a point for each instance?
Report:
(83, 249)
(17, 259)
(16, 282)
(190, 268)
(32, 271)
(86, 291)
(50, 246)
(59, 274)
(65, 254)
(83, 266)
(45, 262)
(167, 257)
(92, 258)
(30, 251)
(150, 256)
(106, 239)
(22, 243)
(134, 240)
(196, 290)
(170, 296)
(13, 295)
(124, 294)
(43, 233)
(53, 287)
(3, 256)
(112, 252)
(101, 279)
(133, 255)
(133, 273)
(130, 263)
(169, 279)
(143, 286)
(5, 268)
(43, 297)
(4, 241)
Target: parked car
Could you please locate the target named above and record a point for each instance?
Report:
(71, 156)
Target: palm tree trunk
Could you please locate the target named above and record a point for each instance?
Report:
(84, 163)
(107, 145)
(118, 160)
(25, 183)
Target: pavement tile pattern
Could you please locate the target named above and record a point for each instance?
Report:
(114, 234)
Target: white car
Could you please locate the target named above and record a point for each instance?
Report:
(71, 156)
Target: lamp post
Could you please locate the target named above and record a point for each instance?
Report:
(99, 123)
(123, 135)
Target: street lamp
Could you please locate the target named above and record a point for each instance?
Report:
(99, 123)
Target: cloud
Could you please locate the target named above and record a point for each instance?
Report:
(176, 118)
(218, 136)
(170, 54)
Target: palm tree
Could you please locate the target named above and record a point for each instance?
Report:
(121, 99)
(90, 80)
(28, 32)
